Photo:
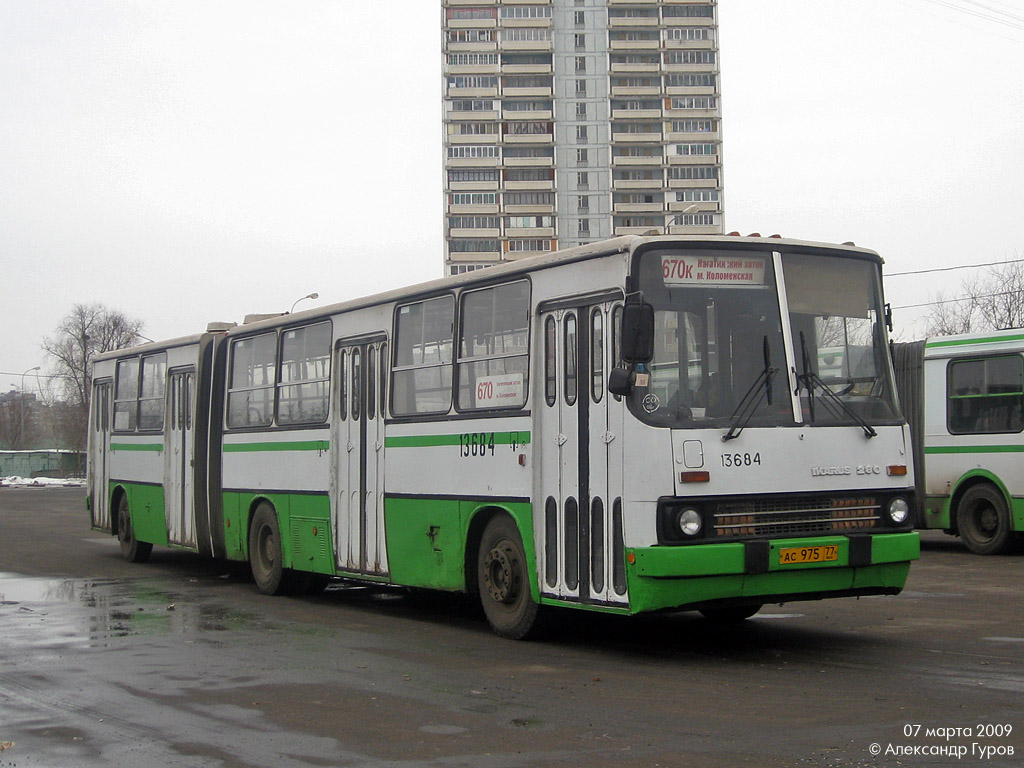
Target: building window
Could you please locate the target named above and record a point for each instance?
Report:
(473, 198)
(692, 172)
(690, 57)
(526, 12)
(697, 196)
(473, 245)
(581, 64)
(583, 180)
(471, 35)
(580, 41)
(472, 175)
(473, 222)
(472, 81)
(691, 80)
(529, 222)
(581, 134)
(530, 198)
(687, 11)
(688, 150)
(528, 245)
(472, 59)
(473, 151)
(689, 33)
(583, 202)
(582, 156)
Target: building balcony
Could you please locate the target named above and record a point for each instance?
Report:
(636, 138)
(527, 45)
(472, 93)
(650, 229)
(471, 69)
(694, 137)
(471, 116)
(529, 210)
(694, 160)
(653, 185)
(546, 114)
(624, 161)
(472, 138)
(692, 90)
(519, 255)
(540, 186)
(636, 114)
(467, 232)
(635, 91)
(529, 162)
(471, 23)
(692, 207)
(634, 45)
(471, 47)
(544, 232)
(491, 256)
(647, 69)
(679, 229)
(526, 69)
(638, 208)
(526, 22)
(618, 22)
(470, 209)
(472, 162)
(528, 138)
(512, 93)
(690, 45)
(471, 186)
(693, 183)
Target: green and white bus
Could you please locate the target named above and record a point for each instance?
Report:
(964, 398)
(634, 425)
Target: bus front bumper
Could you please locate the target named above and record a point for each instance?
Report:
(692, 576)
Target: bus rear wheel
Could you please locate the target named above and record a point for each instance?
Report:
(132, 550)
(984, 521)
(504, 581)
(265, 554)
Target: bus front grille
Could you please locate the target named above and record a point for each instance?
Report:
(807, 516)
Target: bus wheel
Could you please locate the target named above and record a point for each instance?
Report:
(265, 552)
(729, 614)
(983, 520)
(132, 550)
(504, 580)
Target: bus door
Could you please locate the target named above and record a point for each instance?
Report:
(581, 457)
(358, 506)
(179, 458)
(99, 454)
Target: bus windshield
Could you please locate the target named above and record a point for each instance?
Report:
(720, 351)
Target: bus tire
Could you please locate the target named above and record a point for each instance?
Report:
(983, 520)
(730, 614)
(265, 552)
(503, 577)
(132, 550)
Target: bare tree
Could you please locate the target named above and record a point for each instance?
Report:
(992, 301)
(88, 330)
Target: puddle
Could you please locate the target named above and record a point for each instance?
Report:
(93, 612)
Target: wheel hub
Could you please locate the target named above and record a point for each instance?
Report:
(500, 576)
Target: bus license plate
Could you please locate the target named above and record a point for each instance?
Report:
(796, 555)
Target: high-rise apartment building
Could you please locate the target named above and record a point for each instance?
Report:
(569, 121)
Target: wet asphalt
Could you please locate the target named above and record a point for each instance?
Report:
(180, 662)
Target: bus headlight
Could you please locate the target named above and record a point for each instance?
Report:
(689, 522)
(899, 510)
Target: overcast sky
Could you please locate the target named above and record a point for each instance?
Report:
(191, 161)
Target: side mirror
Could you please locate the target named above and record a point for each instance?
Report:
(637, 333)
(620, 382)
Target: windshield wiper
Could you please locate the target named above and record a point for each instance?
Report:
(754, 397)
(830, 399)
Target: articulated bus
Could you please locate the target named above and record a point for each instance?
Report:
(641, 424)
(963, 397)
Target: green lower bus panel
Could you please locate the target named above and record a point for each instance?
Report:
(146, 504)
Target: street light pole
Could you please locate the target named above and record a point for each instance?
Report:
(313, 295)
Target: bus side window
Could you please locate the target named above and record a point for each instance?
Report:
(343, 383)
(597, 354)
(550, 359)
(571, 351)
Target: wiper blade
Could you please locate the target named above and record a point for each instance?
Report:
(754, 397)
(831, 400)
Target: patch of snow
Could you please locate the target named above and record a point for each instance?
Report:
(41, 482)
